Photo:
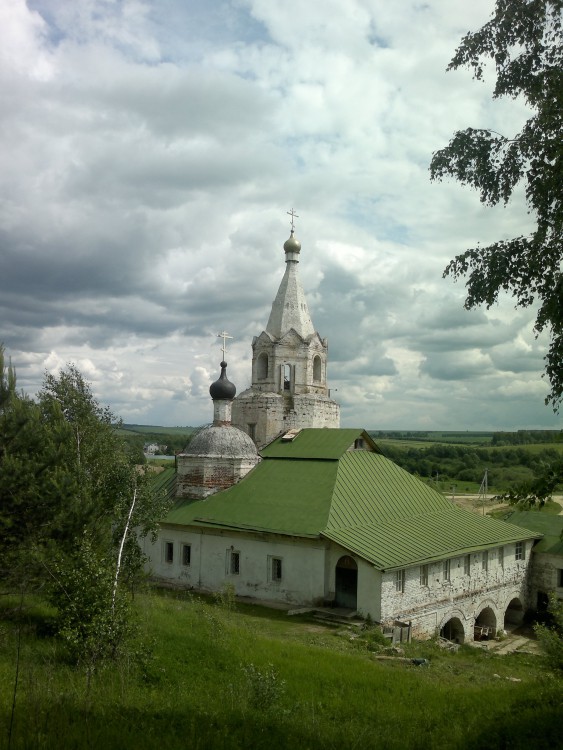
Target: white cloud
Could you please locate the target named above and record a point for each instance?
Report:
(149, 153)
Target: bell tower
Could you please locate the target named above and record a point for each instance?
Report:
(289, 365)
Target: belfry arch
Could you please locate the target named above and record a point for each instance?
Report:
(317, 369)
(262, 366)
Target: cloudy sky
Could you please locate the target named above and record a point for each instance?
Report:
(149, 153)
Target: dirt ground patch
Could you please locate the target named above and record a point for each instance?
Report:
(482, 506)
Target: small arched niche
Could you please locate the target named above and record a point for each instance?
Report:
(262, 366)
(317, 369)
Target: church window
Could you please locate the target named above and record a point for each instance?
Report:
(233, 562)
(359, 443)
(424, 575)
(262, 366)
(446, 570)
(275, 568)
(467, 565)
(317, 369)
(400, 581)
(286, 374)
(519, 552)
(186, 554)
(169, 552)
(485, 561)
(252, 430)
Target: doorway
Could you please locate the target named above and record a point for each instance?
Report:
(346, 583)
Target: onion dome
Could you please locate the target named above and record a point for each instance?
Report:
(292, 245)
(222, 389)
(224, 441)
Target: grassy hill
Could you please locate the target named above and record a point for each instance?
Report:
(172, 439)
(208, 675)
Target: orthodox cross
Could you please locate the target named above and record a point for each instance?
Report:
(224, 335)
(293, 216)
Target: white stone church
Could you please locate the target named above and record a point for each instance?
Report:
(316, 515)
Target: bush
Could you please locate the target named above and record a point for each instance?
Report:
(550, 634)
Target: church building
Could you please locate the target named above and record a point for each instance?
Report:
(289, 366)
(320, 517)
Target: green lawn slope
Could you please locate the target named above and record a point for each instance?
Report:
(207, 675)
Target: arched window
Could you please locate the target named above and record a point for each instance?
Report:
(262, 366)
(317, 369)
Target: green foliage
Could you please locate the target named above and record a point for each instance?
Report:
(524, 42)
(226, 596)
(264, 686)
(540, 489)
(92, 622)
(507, 466)
(73, 502)
(550, 634)
(34, 486)
(526, 437)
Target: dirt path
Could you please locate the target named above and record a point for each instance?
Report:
(474, 503)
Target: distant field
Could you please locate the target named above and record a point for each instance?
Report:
(143, 429)
(425, 437)
(535, 448)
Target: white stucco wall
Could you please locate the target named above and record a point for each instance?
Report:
(463, 596)
(303, 564)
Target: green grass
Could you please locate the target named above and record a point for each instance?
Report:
(551, 508)
(255, 678)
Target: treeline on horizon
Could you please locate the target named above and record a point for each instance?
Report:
(171, 440)
(519, 437)
(506, 466)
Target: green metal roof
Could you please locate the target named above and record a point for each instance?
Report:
(544, 523)
(372, 489)
(315, 486)
(165, 482)
(287, 497)
(316, 443)
(425, 538)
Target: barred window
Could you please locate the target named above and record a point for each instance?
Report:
(447, 570)
(275, 568)
(186, 554)
(234, 563)
(424, 575)
(400, 581)
(467, 565)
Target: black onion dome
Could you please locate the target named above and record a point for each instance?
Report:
(223, 388)
(292, 245)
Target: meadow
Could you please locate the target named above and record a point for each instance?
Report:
(214, 674)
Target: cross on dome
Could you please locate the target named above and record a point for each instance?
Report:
(224, 335)
(293, 216)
